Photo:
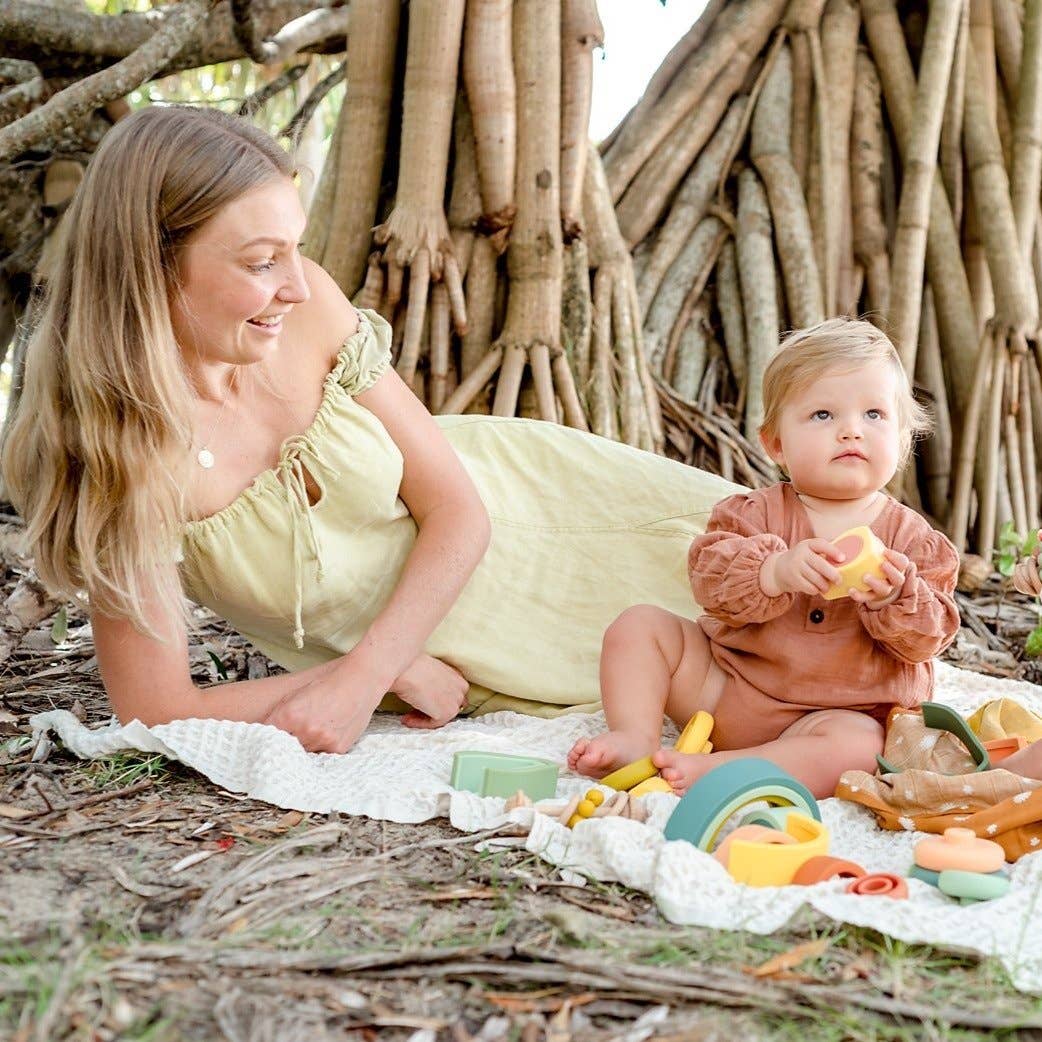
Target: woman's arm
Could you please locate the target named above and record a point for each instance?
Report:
(453, 526)
(453, 534)
(148, 679)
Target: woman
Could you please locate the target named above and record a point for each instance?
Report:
(204, 411)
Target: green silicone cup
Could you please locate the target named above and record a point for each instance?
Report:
(497, 774)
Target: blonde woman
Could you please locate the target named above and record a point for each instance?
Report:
(204, 413)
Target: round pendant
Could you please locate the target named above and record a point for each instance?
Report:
(205, 459)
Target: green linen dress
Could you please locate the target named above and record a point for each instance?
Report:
(582, 528)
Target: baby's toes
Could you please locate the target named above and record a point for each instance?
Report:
(576, 752)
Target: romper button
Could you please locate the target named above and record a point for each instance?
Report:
(817, 615)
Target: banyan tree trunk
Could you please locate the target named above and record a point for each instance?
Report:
(866, 162)
(475, 295)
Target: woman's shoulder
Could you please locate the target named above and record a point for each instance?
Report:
(322, 323)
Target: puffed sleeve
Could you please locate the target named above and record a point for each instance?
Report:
(366, 353)
(924, 618)
(724, 563)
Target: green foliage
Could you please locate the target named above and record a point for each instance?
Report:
(1012, 546)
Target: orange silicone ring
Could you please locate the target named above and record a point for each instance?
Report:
(821, 868)
(879, 884)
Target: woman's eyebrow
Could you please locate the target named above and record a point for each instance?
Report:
(272, 240)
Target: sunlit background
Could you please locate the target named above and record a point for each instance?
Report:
(637, 36)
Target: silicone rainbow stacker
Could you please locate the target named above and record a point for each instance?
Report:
(641, 776)
(864, 556)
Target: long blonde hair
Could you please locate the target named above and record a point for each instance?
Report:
(95, 460)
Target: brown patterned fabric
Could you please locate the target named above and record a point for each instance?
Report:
(927, 797)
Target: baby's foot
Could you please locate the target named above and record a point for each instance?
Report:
(682, 770)
(596, 757)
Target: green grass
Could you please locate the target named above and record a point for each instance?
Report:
(125, 769)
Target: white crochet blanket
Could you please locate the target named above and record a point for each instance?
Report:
(399, 774)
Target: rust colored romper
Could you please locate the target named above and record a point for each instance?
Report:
(794, 654)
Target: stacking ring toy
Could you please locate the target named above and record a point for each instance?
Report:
(822, 868)
(879, 884)
(959, 849)
(769, 817)
(705, 807)
(924, 875)
(972, 886)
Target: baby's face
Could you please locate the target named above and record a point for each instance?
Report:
(840, 438)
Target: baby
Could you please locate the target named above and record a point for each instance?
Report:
(789, 676)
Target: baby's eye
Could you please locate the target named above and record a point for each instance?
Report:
(875, 414)
(264, 266)
(820, 414)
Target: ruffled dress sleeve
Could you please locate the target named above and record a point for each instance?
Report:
(366, 354)
(724, 563)
(924, 618)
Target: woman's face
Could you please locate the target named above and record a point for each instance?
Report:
(240, 274)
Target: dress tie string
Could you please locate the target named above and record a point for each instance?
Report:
(291, 473)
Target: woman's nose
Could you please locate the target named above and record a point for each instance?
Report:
(294, 288)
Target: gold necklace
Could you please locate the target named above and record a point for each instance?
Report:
(204, 457)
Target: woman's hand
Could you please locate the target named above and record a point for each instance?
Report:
(805, 568)
(325, 715)
(886, 590)
(435, 690)
(1026, 576)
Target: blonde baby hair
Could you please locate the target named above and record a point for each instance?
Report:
(838, 344)
(96, 457)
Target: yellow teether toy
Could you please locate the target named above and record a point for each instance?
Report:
(864, 556)
(641, 777)
(587, 805)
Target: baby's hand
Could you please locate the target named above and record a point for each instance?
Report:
(886, 590)
(1026, 576)
(805, 568)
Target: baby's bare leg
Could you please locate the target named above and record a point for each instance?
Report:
(1027, 762)
(816, 750)
(653, 663)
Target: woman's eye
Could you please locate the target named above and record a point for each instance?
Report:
(266, 266)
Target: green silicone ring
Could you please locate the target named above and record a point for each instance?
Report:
(944, 718)
(972, 886)
(705, 807)
(924, 875)
(768, 817)
(498, 774)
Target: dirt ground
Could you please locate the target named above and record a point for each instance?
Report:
(140, 901)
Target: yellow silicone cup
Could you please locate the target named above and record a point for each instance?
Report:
(769, 864)
(867, 560)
